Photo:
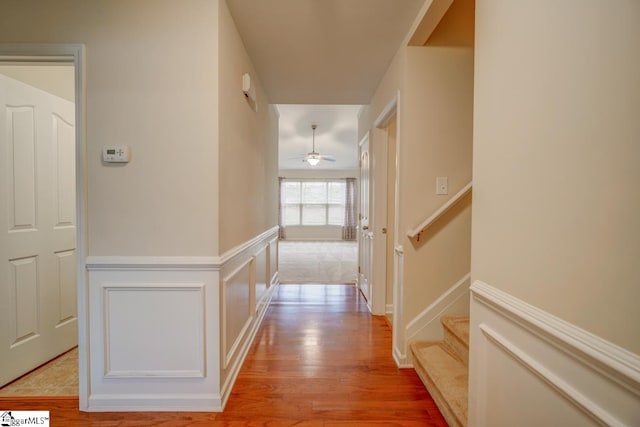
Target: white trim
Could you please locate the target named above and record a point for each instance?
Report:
(234, 252)
(388, 112)
(363, 139)
(145, 263)
(398, 337)
(581, 372)
(70, 53)
(388, 308)
(401, 360)
(579, 400)
(438, 308)
(155, 403)
(615, 362)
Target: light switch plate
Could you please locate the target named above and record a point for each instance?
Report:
(442, 185)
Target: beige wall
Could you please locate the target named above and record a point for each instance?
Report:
(56, 79)
(248, 146)
(556, 217)
(436, 141)
(151, 83)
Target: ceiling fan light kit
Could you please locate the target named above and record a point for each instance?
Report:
(313, 158)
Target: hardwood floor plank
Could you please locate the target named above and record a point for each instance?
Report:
(319, 359)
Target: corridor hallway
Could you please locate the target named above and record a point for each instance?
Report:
(318, 359)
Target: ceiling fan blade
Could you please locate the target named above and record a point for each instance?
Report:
(328, 158)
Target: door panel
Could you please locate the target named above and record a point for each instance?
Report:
(38, 228)
(21, 158)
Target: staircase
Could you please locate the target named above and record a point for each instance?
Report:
(443, 367)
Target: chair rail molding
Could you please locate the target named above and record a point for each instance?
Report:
(582, 378)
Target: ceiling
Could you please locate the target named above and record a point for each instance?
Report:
(323, 58)
(336, 134)
(322, 51)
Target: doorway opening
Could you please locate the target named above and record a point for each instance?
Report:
(42, 243)
(318, 171)
(388, 254)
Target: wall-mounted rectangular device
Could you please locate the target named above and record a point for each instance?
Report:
(116, 153)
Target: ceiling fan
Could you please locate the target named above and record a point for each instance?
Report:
(313, 158)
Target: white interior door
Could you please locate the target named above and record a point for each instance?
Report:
(365, 237)
(38, 306)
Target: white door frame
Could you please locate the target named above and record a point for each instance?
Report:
(70, 54)
(391, 111)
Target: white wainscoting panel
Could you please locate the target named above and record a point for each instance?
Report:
(530, 368)
(245, 275)
(273, 262)
(237, 303)
(262, 274)
(154, 330)
(134, 314)
(171, 333)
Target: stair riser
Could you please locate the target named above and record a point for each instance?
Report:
(457, 345)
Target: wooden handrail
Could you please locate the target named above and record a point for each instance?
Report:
(415, 233)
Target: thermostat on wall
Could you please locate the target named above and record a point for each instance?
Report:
(116, 153)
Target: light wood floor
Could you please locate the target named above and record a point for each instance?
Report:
(319, 359)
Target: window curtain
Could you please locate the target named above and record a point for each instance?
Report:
(350, 223)
(281, 231)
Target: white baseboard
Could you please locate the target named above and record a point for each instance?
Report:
(388, 309)
(521, 354)
(402, 361)
(455, 301)
(155, 403)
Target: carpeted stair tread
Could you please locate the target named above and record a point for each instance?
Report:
(445, 377)
(458, 326)
(456, 335)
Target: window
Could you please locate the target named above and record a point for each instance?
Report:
(314, 202)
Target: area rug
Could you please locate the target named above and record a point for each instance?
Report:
(318, 261)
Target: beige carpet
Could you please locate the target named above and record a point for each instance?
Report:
(318, 261)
